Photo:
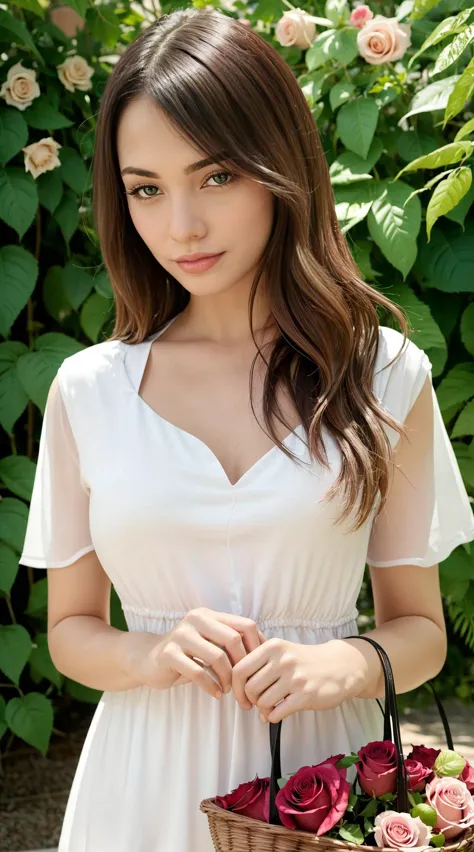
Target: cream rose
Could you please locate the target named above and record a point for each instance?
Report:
(401, 831)
(383, 40)
(453, 803)
(75, 73)
(42, 156)
(20, 87)
(295, 29)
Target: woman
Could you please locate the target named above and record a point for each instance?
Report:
(155, 472)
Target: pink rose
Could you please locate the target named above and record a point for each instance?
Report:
(377, 768)
(383, 40)
(400, 831)
(251, 799)
(295, 29)
(424, 755)
(453, 803)
(360, 16)
(467, 775)
(417, 775)
(314, 798)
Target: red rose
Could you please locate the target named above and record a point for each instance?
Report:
(377, 768)
(424, 755)
(251, 799)
(467, 775)
(314, 798)
(417, 775)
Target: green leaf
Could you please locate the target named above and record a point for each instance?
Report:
(342, 46)
(38, 599)
(450, 26)
(36, 370)
(465, 130)
(449, 764)
(459, 213)
(336, 11)
(18, 199)
(82, 693)
(13, 134)
(104, 25)
(50, 189)
(411, 145)
(18, 473)
(422, 7)
(461, 93)
(340, 93)
(350, 213)
(31, 6)
(447, 195)
(94, 314)
(67, 215)
(349, 167)
(457, 386)
(433, 97)
(19, 32)
(356, 124)
(446, 262)
(102, 284)
(361, 252)
(453, 51)
(370, 809)
(3, 724)
(31, 719)
(429, 336)
(437, 840)
(77, 284)
(347, 760)
(42, 116)
(15, 649)
(18, 273)
(465, 458)
(467, 329)
(8, 568)
(73, 170)
(445, 156)
(351, 833)
(13, 519)
(465, 423)
(79, 6)
(394, 224)
(426, 813)
(41, 661)
(13, 399)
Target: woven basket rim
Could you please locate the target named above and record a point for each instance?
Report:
(209, 806)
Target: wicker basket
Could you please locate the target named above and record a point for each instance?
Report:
(232, 832)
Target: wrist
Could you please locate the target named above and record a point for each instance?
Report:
(135, 649)
(368, 672)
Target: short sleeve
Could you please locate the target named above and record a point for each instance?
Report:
(58, 522)
(428, 512)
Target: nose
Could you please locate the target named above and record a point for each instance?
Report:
(186, 223)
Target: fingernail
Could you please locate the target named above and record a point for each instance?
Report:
(219, 694)
(227, 689)
(262, 717)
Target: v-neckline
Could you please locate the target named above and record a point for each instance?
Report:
(145, 349)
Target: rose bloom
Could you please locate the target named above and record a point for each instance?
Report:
(250, 799)
(360, 15)
(377, 768)
(401, 831)
(75, 73)
(42, 156)
(314, 798)
(424, 755)
(418, 775)
(20, 87)
(453, 804)
(295, 29)
(383, 40)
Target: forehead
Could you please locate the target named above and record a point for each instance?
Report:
(146, 138)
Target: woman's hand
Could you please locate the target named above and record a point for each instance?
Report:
(298, 677)
(218, 640)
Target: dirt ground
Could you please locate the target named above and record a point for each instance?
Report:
(34, 789)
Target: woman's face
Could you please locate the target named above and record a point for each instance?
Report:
(177, 213)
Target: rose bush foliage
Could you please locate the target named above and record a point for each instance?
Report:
(390, 87)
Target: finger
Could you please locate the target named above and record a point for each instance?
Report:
(290, 704)
(195, 673)
(246, 627)
(244, 670)
(261, 637)
(215, 657)
(219, 633)
(260, 684)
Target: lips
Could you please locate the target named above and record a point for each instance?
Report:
(193, 257)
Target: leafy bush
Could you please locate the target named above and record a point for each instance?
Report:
(398, 138)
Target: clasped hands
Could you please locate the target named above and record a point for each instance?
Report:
(281, 677)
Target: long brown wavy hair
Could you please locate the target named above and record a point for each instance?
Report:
(235, 99)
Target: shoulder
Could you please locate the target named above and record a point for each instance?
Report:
(401, 368)
(90, 367)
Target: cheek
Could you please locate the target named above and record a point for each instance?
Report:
(146, 224)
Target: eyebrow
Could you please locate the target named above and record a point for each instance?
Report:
(194, 167)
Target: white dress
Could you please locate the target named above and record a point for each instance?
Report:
(172, 533)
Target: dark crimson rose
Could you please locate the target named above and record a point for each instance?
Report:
(418, 775)
(377, 768)
(424, 755)
(314, 798)
(251, 799)
(467, 775)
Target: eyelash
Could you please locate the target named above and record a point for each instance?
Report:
(135, 190)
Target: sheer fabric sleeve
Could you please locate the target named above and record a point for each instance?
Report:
(58, 522)
(428, 512)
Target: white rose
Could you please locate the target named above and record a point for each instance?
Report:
(383, 40)
(295, 29)
(42, 156)
(75, 73)
(20, 87)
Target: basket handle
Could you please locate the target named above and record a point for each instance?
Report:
(391, 732)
